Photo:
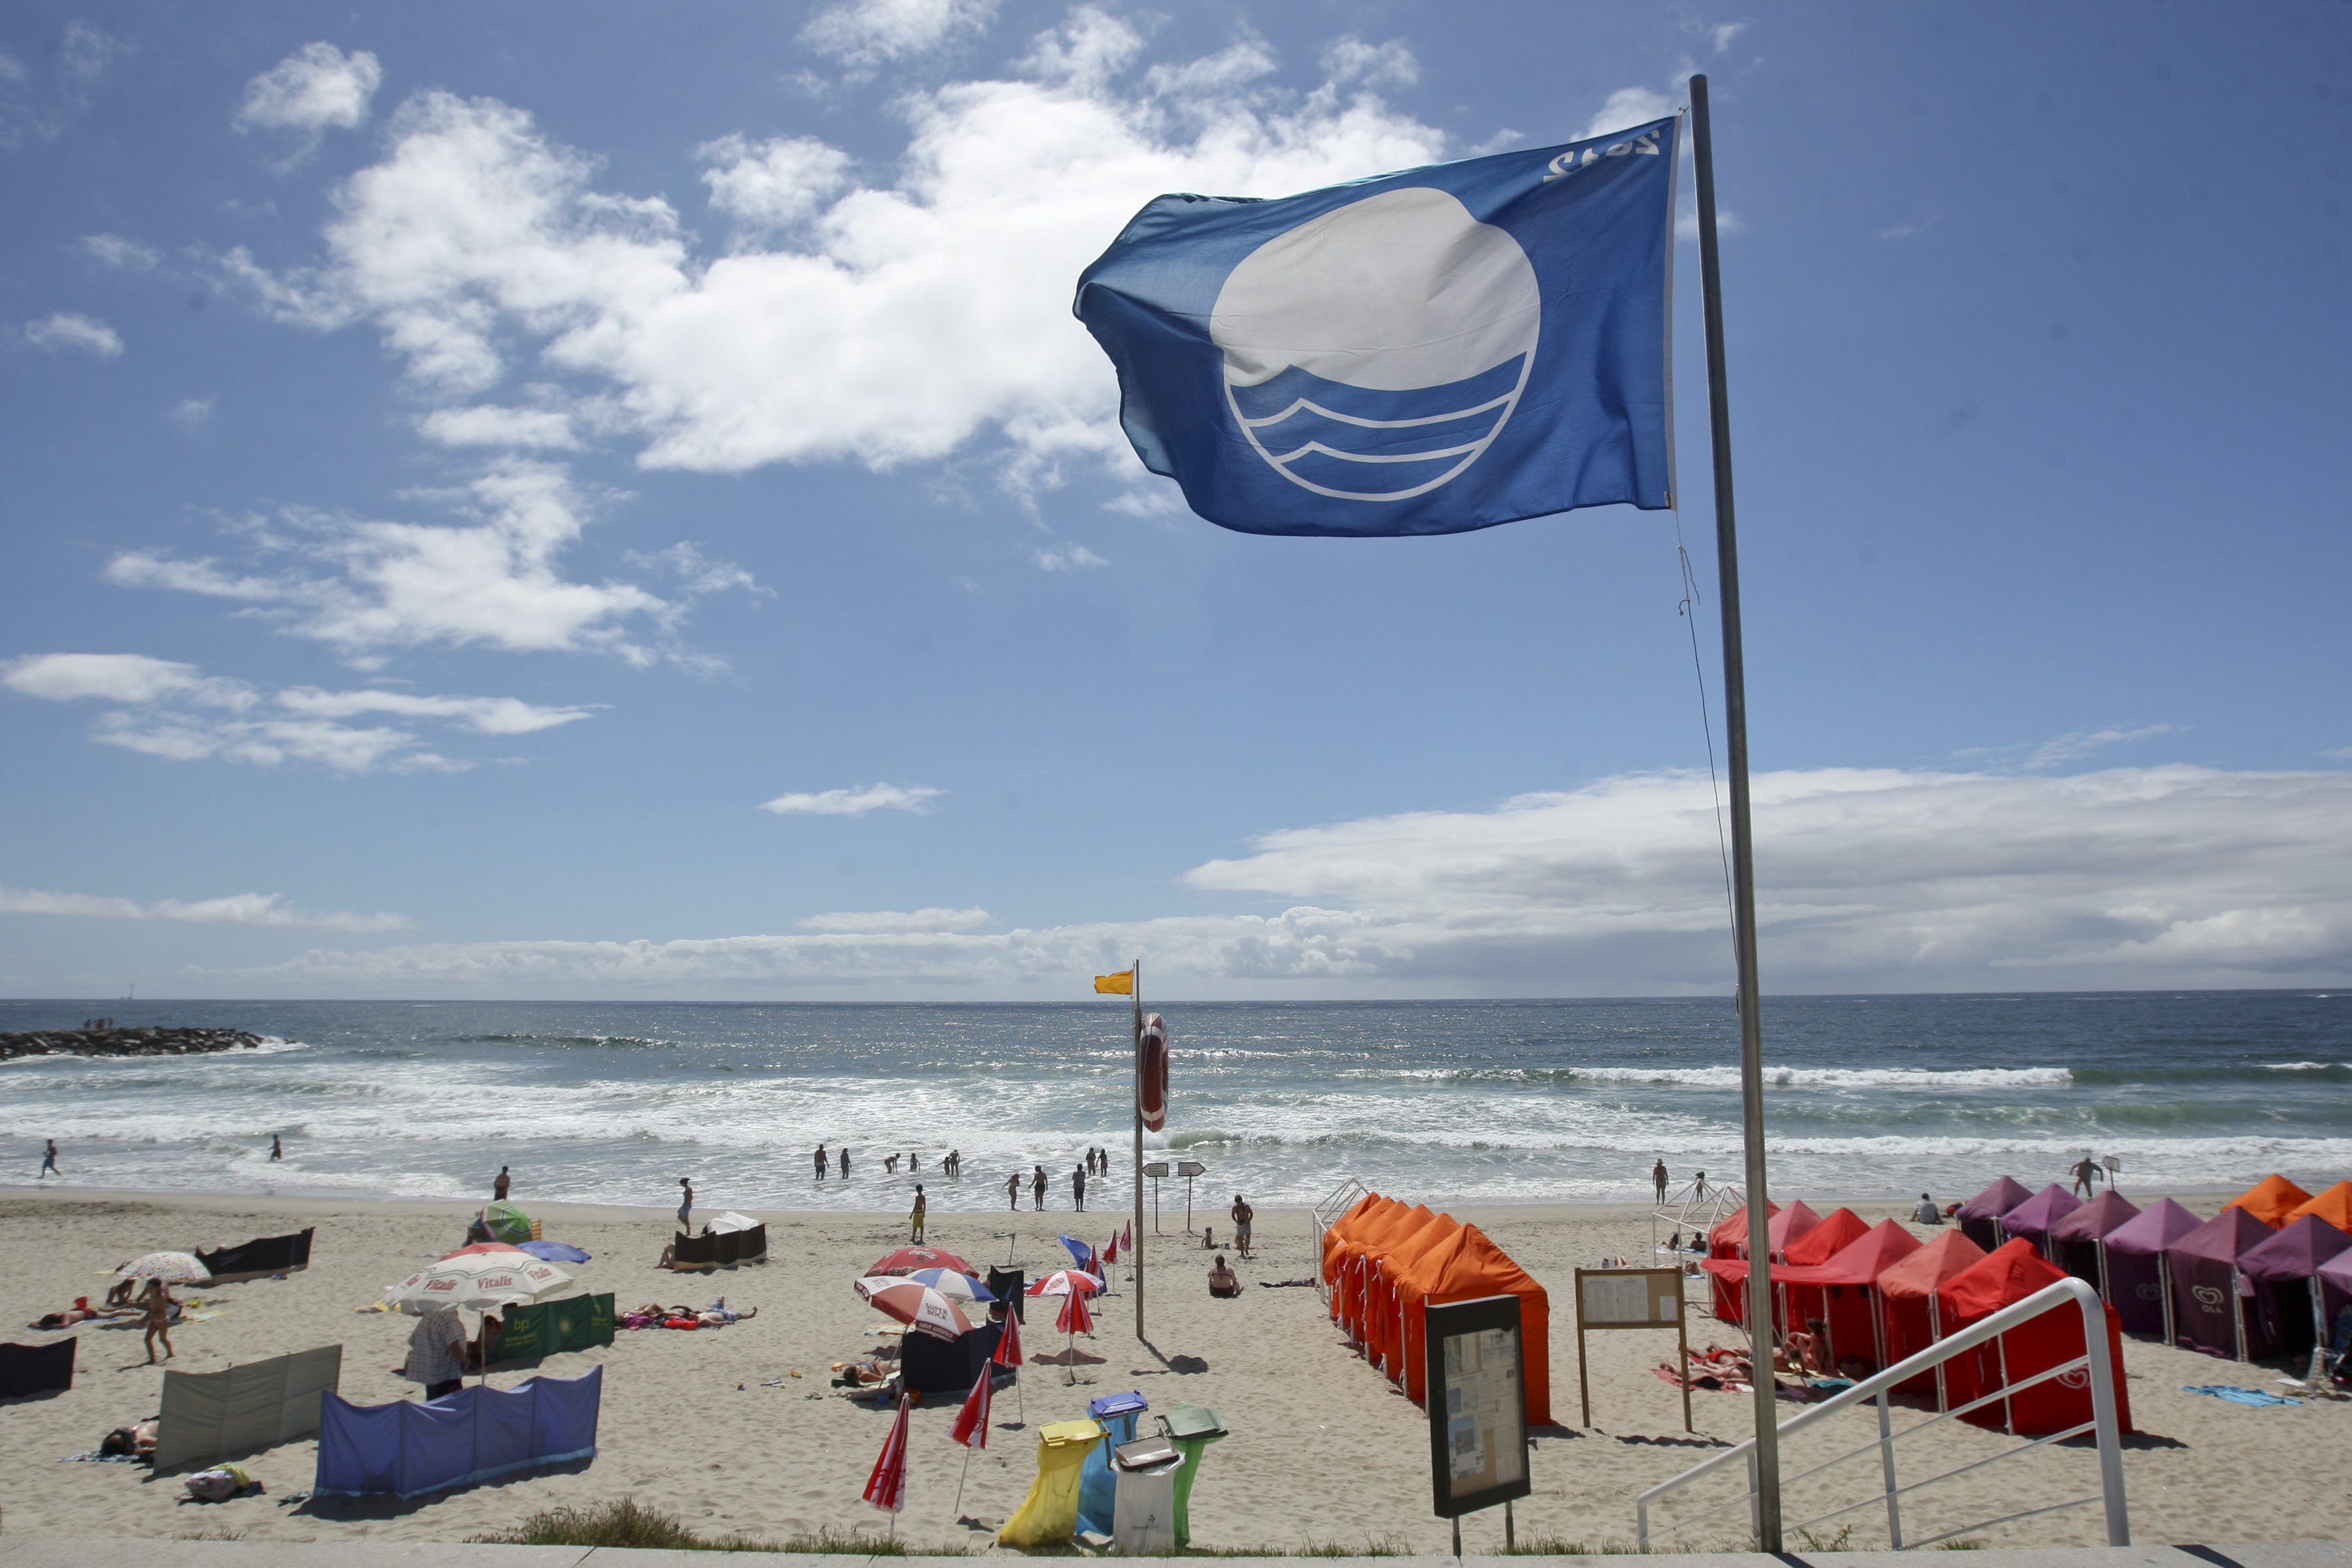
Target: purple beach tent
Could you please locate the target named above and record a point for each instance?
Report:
(2078, 1242)
(2285, 1269)
(2139, 1281)
(2209, 1290)
(1980, 1216)
(2032, 1218)
(2334, 1290)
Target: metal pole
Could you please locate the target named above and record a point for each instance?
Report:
(1136, 1053)
(1743, 854)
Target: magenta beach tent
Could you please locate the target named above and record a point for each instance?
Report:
(2032, 1218)
(1980, 1216)
(2335, 1288)
(2209, 1290)
(2285, 1269)
(2139, 1281)
(2077, 1243)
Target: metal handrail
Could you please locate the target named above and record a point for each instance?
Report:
(2094, 1361)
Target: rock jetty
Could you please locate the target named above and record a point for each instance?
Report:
(145, 1041)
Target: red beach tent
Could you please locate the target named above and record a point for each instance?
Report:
(2032, 1218)
(2140, 1280)
(1912, 1316)
(2271, 1200)
(1728, 1239)
(1841, 1230)
(2207, 1312)
(1980, 1216)
(2077, 1242)
(1843, 1291)
(2010, 1273)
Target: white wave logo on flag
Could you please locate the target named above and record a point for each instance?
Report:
(1375, 353)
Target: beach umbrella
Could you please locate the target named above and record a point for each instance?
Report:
(505, 1222)
(1065, 1282)
(1111, 1253)
(955, 1286)
(172, 1268)
(477, 1281)
(1008, 1353)
(907, 1259)
(554, 1252)
(481, 1248)
(1075, 1320)
(971, 1427)
(1078, 1250)
(919, 1307)
(885, 1489)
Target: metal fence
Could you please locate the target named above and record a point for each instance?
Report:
(2065, 1293)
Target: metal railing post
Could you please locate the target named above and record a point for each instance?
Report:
(2103, 1413)
(1886, 1470)
(1754, 1499)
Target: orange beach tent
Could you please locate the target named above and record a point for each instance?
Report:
(2334, 1205)
(1383, 1331)
(2271, 1200)
(1465, 1267)
(1379, 1240)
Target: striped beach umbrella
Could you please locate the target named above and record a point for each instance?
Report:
(919, 1307)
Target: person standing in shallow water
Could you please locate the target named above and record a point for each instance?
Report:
(1012, 1191)
(845, 1162)
(277, 1149)
(1037, 1187)
(499, 1188)
(1658, 1179)
(823, 1163)
(1078, 1187)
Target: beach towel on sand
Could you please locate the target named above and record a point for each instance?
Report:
(2236, 1396)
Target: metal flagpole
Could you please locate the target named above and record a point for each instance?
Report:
(1136, 1056)
(1743, 857)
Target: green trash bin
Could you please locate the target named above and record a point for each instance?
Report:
(1191, 1427)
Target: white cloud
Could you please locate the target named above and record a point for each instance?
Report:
(1878, 879)
(190, 412)
(2073, 746)
(176, 711)
(1724, 35)
(898, 921)
(1350, 59)
(1069, 558)
(900, 321)
(315, 89)
(1907, 230)
(766, 186)
(85, 51)
(123, 255)
(864, 33)
(856, 802)
(366, 587)
(486, 425)
(1626, 107)
(236, 909)
(72, 330)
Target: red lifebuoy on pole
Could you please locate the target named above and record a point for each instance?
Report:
(1151, 1072)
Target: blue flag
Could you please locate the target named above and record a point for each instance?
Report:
(1430, 351)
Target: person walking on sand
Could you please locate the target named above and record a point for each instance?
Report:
(1658, 1179)
(1078, 1187)
(1012, 1191)
(503, 1185)
(277, 1149)
(1243, 1214)
(158, 1302)
(1037, 1187)
(49, 1160)
(824, 1163)
(684, 1203)
(2086, 1175)
(922, 1205)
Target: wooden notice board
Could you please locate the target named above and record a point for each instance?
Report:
(1631, 1299)
(1477, 1401)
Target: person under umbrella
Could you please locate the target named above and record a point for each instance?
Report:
(478, 1280)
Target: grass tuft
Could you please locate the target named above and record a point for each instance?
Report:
(627, 1523)
(1552, 1546)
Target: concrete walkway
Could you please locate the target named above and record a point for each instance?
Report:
(62, 1551)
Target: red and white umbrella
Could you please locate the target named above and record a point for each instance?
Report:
(907, 1259)
(1075, 1318)
(971, 1426)
(885, 1489)
(1008, 1353)
(1065, 1282)
(484, 1247)
(919, 1307)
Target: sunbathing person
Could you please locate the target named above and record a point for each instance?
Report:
(121, 1293)
(1222, 1280)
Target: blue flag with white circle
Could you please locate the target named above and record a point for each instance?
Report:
(1430, 352)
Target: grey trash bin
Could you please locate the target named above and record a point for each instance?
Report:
(1143, 1514)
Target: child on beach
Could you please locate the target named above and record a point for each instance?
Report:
(159, 1305)
(921, 1207)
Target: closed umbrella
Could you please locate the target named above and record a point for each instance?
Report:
(971, 1426)
(919, 1307)
(1075, 1320)
(1008, 1353)
(885, 1489)
(172, 1268)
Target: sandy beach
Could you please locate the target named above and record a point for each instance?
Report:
(1322, 1449)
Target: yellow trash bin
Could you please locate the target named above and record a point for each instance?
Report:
(1050, 1512)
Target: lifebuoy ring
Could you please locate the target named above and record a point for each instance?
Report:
(1151, 1072)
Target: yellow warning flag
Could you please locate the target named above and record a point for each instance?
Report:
(1120, 985)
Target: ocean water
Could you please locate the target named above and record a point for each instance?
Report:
(1444, 1102)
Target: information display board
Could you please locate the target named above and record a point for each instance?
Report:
(1477, 1401)
(1630, 1299)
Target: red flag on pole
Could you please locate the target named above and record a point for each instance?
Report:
(1008, 1344)
(971, 1426)
(885, 1489)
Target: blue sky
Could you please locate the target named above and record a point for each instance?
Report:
(463, 463)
